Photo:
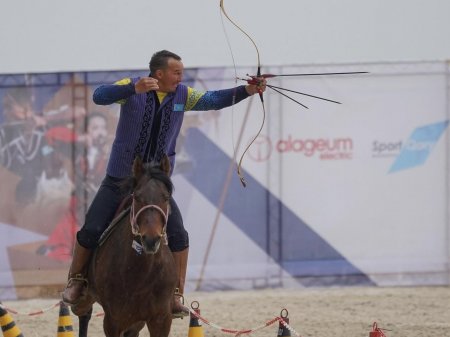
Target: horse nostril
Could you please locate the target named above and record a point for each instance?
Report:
(151, 245)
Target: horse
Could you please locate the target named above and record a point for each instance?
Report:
(132, 273)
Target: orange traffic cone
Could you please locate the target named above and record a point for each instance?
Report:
(282, 329)
(195, 327)
(376, 331)
(65, 325)
(9, 327)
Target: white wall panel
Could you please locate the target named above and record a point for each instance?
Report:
(49, 35)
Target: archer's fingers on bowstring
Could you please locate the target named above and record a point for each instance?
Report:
(146, 84)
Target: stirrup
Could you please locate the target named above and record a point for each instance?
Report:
(178, 293)
(78, 278)
(81, 283)
(183, 313)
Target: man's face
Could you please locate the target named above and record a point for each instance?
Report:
(97, 130)
(169, 78)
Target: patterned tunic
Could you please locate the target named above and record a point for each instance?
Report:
(150, 128)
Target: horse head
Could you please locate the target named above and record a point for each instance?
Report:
(152, 190)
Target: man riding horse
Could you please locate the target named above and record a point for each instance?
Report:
(151, 115)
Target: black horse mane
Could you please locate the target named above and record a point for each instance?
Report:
(154, 171)
(150, 170)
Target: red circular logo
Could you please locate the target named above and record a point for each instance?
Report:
(261, 149)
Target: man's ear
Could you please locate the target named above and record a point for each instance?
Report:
(158, 74)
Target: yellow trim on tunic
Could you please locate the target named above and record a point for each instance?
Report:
(193, 95)
(123, 81)
(192, 98)
(161, 95)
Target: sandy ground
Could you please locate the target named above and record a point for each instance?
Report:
(319, 312)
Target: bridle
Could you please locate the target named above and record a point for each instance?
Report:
(133, 220)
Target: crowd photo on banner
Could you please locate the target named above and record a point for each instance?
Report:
(53, 152)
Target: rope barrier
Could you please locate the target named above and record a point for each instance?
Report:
(33, 313)
(291, 329)
(375, 332)
(236, 332)
(246, 331)
(40, 311)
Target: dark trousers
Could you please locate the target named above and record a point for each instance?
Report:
(104, 206)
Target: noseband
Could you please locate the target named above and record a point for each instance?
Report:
(135, 227)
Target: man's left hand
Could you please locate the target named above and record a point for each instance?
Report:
(258, 87)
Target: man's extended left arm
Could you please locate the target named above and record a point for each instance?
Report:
(219, 99)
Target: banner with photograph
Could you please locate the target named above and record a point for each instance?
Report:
(347, 188)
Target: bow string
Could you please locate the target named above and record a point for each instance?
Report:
(254, 81)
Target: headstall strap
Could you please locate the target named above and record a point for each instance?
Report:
(133, 219)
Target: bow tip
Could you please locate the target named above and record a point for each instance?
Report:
(243, 182)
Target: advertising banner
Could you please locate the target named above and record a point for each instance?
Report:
(347, 187)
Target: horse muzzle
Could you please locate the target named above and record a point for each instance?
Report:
(151, 244)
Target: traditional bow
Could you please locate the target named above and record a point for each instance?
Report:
(255, 80)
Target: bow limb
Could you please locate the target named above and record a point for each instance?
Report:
(241, 177)
(222, 8)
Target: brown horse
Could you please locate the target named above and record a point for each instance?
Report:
(132, 274)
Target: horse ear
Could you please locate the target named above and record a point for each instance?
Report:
(138, 168)
(165, 165)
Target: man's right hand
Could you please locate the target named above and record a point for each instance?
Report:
(146, 84)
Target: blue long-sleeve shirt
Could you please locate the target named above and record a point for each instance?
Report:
(202, 101)
(133, 134)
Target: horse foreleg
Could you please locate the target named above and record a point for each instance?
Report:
(110, 327)
(133, 331)
(83, 323)
(160, 326)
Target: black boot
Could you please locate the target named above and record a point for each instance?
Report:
(77, 284)
(179, 310)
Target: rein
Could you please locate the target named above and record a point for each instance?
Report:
(135, 227)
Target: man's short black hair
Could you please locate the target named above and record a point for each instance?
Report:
(160, 60)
